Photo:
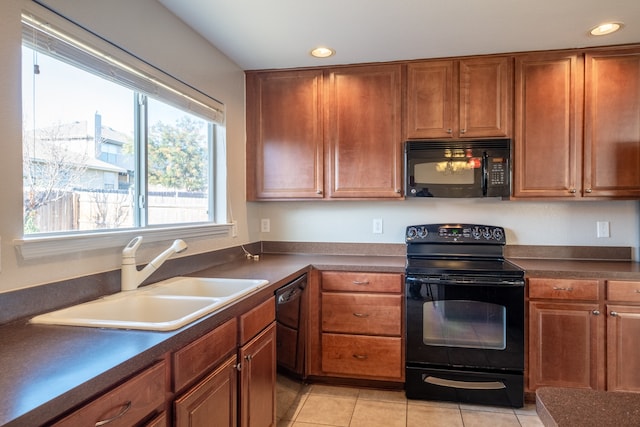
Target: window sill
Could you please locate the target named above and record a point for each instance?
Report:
(32, 248)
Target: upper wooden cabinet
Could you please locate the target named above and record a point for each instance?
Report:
(548, 126)
(612, 124)
(333, 133)
(284, 135)
(363, 132)
(557, 96)
(469, 98)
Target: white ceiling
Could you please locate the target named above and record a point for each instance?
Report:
(264, 34)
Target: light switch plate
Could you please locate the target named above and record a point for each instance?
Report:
(265, 225)
(377, 226)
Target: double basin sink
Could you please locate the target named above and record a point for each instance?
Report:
(162, 306)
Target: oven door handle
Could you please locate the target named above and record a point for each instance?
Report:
(429, 281)
(469, 385)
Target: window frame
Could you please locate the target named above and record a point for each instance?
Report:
(97, 52)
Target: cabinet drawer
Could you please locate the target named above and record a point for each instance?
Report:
(127, 404)
(199, 357)
(566, 289)
(362, 356)
(256, 319)
(355, 313)
(361, 282)
(620, 290)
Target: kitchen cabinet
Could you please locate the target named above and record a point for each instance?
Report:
(284, 135)
(362, 325)
(548, 126)
(363, 132)
(468, 98)
(580, 338)
(612, 124)
(557, 96)
(138, 399)
(623, 335)
(325, 133)
(214, 397)
(257, 356)
(212, 401)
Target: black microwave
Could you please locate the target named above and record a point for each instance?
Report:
(477, 168)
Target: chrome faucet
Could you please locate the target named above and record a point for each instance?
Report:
(132, 278)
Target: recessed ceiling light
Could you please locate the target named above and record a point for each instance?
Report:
(606, 28)
(322, 52)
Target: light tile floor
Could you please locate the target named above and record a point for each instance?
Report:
(321, 405)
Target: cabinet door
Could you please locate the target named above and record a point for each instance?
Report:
(612, 127)
(212, 402)
(548, 129)
(284, 135)
(258, 380)
(363, 132)
(623, 342)
(485, 97)
(430, 100)
(563, 345)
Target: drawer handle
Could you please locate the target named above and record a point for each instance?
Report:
(637, 291)
(360, 356)
(361, 315)
(125, 409)
(558, 288)
(359, 282)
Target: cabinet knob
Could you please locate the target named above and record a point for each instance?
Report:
(463, 131)
(614, 314)
(572, 191)
(449, 130)
(248, 357)
(596, 312)
(588, 190)
(318, 191)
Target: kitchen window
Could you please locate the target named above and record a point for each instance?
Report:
(111, 143)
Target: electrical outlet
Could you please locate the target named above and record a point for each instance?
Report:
(377, 226)
(265, 225)
(602, 229)
(234, 229)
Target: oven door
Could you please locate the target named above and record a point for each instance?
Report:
(464, 326)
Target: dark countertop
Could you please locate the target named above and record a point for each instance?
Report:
(48, 370)
(565, 407)
(576, 269)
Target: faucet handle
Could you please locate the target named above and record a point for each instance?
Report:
(129, 251)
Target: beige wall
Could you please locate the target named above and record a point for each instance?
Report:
(148, 30)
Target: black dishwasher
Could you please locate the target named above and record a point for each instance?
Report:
(290, 320)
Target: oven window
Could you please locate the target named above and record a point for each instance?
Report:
(462, 323)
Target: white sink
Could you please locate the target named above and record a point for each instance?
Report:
(207, 287)
(163, 306)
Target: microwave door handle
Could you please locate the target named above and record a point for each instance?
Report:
(485, 173)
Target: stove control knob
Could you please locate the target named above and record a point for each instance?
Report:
(498, 234)
(423, 232)
(475, 233)
(486, 233)
(412, 232)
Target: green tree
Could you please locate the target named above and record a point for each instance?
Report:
(177, 154)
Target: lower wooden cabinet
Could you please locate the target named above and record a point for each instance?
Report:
(212, 402)
(258, 380)
(360, 327)
(583, 337)
(563, 344)
(138, 399)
